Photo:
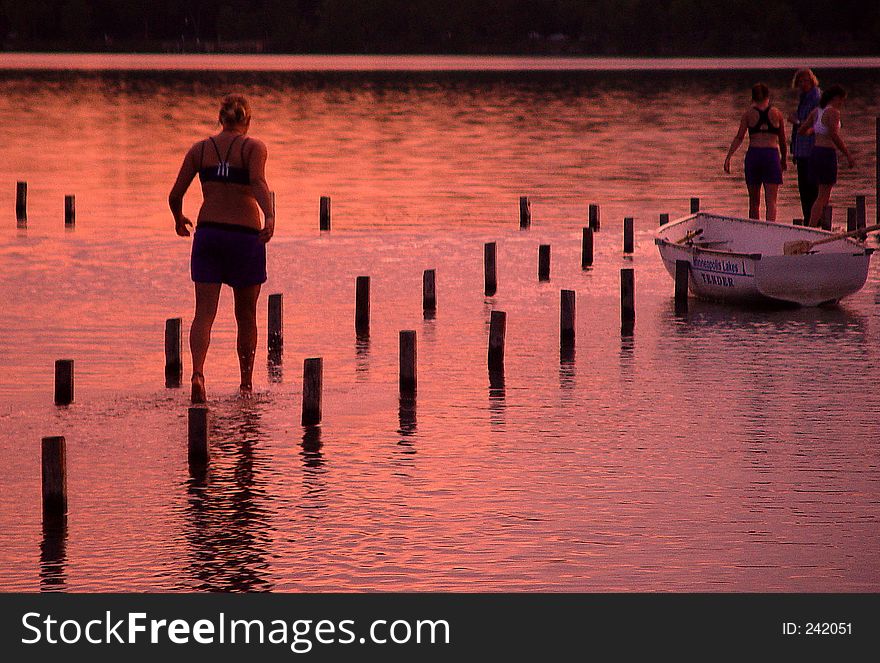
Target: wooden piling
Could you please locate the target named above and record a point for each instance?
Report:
(325, 213)
(69, 210)
(197, 436)
(594, 217)
(850, 219)
(627, 300)
(429, 291)
(64, 382)
(877, 170)
(275, 332)
(628, 234)
(54, 476)
(525, 213)
(362, 305)
(797, 222)
(664, 219)
(313, 376)
(682, 276)
(173, 352)
(587, 249)
(544, 262)
(497, 332)
(21, 201)
(695, 205)
(408, 363)
(827, 215)
(861, 211)
(566, 318)
(489, 265)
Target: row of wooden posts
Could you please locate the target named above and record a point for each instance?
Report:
(21, 205)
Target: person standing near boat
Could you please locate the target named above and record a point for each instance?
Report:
(824, 123)
(807, 84)
(230, 242)
(766, 157)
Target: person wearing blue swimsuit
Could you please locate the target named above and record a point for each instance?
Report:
(766, 156)
(230, 241)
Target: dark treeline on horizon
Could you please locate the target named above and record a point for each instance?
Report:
(597, 27)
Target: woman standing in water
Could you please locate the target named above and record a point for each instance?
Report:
(824, 124)
(807, 85)
(230, 242)
(765, 158)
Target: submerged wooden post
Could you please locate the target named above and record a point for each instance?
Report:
(21, 201)
(325, 213)
(682, 276)
(69, 210)
(627, 300)
(489, 253)
(173, 351)
(408, 363)
(275, 333)
(851, 219)
(313, 376)
(664, 219)
(594, 217)
(566, 318)
(628, 234)
(429, 291)
(525, 212)
(695, 205)
(544, 262)
(362, 305)
(197, 435)
(64, 382)
(861, 211)
(54, 476)
(827, 215)
(587, 249)
(497, 332)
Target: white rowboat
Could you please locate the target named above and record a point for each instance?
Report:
(741, 260)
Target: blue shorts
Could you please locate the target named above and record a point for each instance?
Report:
(823, 165)
(226, 253)
(763, 166)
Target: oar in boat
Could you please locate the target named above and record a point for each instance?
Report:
(690, 236)
(801, 246)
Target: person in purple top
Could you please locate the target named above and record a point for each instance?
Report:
(765, 158)
(807, 84)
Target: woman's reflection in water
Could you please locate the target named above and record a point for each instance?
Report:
(229, 533)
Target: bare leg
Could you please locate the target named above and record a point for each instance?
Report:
(754, 201)
(771, 192)
(207, 297)
(246, 317)
(820, 204)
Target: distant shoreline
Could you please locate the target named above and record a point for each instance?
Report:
(413, 63)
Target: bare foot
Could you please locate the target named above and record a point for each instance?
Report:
(198, 388)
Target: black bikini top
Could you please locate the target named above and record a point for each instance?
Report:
(763, 126)
(223, 172)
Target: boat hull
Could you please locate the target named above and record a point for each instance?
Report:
(755, 275)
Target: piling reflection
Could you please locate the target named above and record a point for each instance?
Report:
(228, 533)
(313, 461)
(627, 357)
(567, 371)
(497, 399)
(53, 555)
(362, 356)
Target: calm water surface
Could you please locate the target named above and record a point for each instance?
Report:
(736, 450)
